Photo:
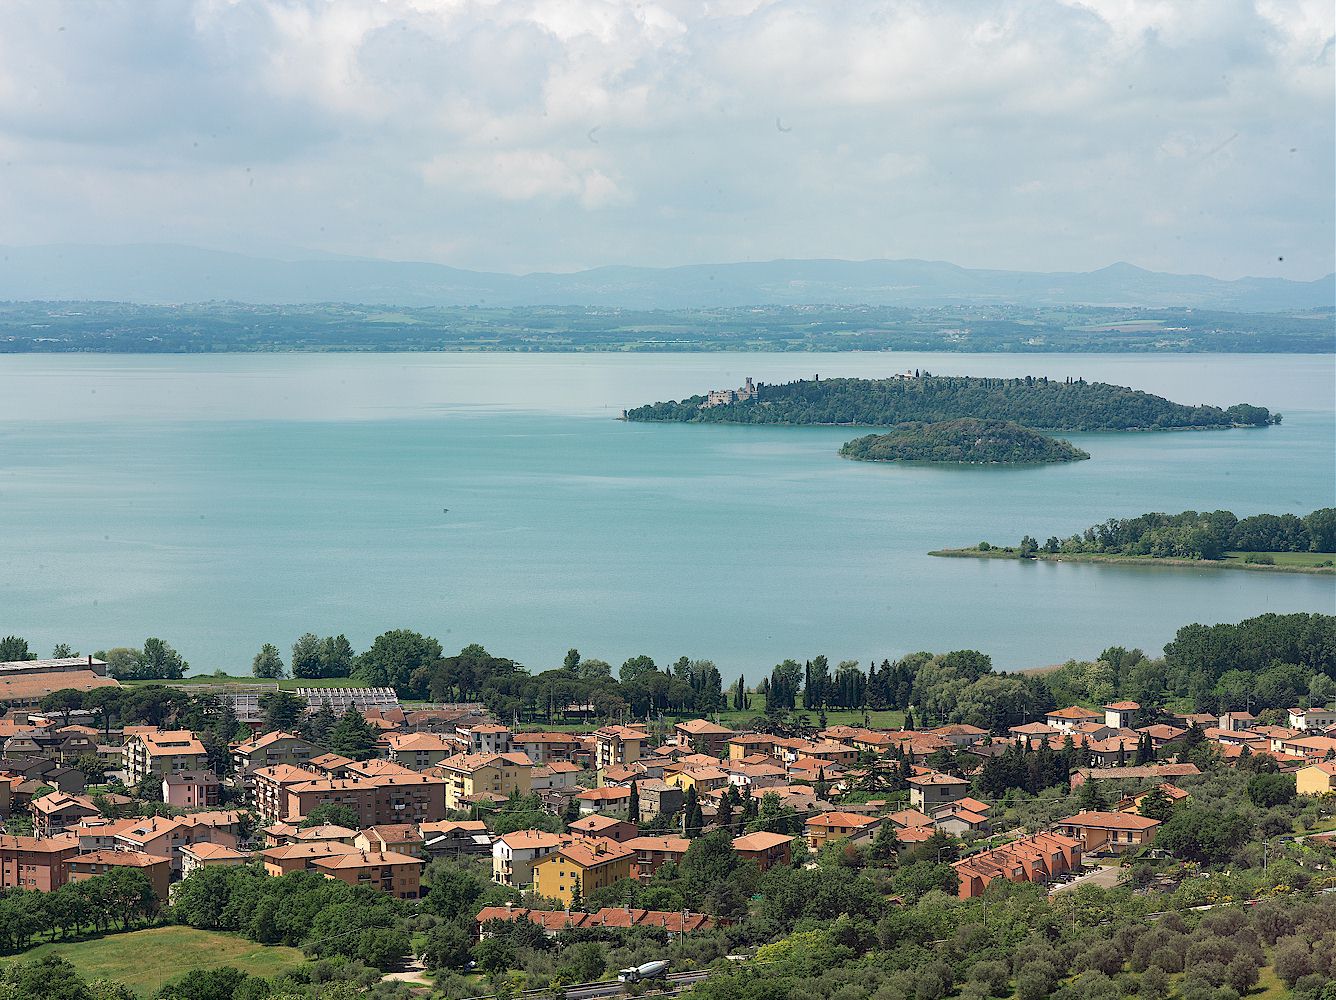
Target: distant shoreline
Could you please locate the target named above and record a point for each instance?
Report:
(1100, 557)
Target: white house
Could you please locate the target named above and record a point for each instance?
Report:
(1312, 718)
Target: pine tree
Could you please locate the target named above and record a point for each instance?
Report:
(692, 816)
(633, 805)
(909, 720)
(318, 727)
(353, 736)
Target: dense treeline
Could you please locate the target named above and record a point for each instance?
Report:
(1272, 661)
(120, 898)
(1071, 405)
(1204, 535)
(324, 917)
(967, 440)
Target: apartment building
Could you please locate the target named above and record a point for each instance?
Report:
(1108, 832)
(390, 872)
(471, 776)
(161, 752)
(36, 863)
(581, 867)
(618, 745)
(515, 854)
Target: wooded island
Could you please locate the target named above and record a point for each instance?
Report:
(1035, 402)
(967, 441)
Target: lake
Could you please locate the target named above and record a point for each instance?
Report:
(223, 501)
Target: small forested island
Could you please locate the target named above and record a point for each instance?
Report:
(966, 441)
(1279, 542)
(1036, 402)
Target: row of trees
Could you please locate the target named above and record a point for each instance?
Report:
(122, 897)
(1200, 535)
(312, 658)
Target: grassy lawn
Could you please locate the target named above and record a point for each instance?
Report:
(1286, 558)
(1268, 987)
(144, 960)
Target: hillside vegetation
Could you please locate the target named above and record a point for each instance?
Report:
(1072, 405)
(967, 441)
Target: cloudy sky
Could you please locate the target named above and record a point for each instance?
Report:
(516, 136)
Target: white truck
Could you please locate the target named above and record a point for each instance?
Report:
(650, 970)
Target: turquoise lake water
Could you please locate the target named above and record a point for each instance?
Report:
(225, 501)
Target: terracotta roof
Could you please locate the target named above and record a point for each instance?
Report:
(171, 742)
(909, 817)
(703, 727)
(1124, 706)
(57, 801)
(621, 732)
(213, 852)
(285, 773)
(937, 778)
(594, 852)
(28, 687)
(761, 840)
(595, 822)
(148, 829)
(120, 859)
(667, 845)
(840, 819)
(470, 762)
(325, 831)
(330, 760)
(366, 859)
(409, 742)
(268, 739)
(39, 844)
(1072, 712)
(914, 834)
(450, 825)
(972, 818)
(604, 794)
(319, 849)
(526, 840)
(1110, 821)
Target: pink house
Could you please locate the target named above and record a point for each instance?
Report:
(191, 789)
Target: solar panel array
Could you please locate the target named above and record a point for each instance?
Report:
(340, 699)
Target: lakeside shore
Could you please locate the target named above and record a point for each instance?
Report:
(1010, 552)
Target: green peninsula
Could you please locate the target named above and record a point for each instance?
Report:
(1284, 543)
(966, 441)
(1034, 402)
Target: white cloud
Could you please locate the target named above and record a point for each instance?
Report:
(550, 134)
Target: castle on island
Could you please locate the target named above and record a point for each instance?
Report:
(722, 397)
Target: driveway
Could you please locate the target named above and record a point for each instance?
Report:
(1105, 878)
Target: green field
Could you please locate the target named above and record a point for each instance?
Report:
(144, 960)
(1301, 559)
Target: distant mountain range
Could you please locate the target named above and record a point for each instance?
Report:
(162, 274)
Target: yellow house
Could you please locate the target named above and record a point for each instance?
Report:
(491, 775)
(1316, 779)
(703, 779)
(582, 867)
